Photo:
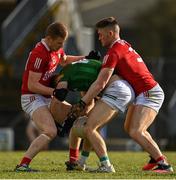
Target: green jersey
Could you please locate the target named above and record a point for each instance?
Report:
(81, 74)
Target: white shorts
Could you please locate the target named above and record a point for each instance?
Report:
(119, 94)
(153, 98)
(31, 102)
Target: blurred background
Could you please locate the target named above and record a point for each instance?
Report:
(148, 25)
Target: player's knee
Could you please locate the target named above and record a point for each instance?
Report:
(126, 128)
(134, 133)
(88, 130)
(51, 132)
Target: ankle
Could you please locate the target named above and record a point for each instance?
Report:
(162, 160)
(25, 161)
(105, 161)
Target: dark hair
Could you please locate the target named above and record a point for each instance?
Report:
(107, 22)
(56, 29)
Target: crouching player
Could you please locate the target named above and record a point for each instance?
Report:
(117, 96)
(76, 76)
(79, 76)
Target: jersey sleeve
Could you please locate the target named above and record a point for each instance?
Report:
(37, 63)
(110, 60)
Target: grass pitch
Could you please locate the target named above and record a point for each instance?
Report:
(51, 165)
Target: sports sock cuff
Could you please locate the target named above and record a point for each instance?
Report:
(104, 158)
(74, 154)
(85, 153)
(25, 160)
(161, 158)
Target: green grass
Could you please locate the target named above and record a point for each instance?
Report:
(51, 165)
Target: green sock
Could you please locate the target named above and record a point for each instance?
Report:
(104, 160)
(84, 157)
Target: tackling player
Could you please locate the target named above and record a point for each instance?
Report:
(36, 93)
(79, 75)
(128, 64)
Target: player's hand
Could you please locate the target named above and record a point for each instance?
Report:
(93, 55)
(78, 108)
(67, 125)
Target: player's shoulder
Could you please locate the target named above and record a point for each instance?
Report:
(121, 44)
(40, 50)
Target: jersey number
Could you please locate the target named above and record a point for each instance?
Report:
(139, 59)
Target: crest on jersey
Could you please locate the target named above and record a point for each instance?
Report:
(59, 56)
(54, 60)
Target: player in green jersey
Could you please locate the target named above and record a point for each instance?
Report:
(77, 76)
(80, 75)
(111, 105)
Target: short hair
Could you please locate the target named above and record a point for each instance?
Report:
(110, 22)
(56, 29)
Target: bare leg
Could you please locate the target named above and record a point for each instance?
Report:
(100, 115)
(138, 119)
(45, 122)
(59, 110)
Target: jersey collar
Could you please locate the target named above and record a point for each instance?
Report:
(114, 42)
(44, 43)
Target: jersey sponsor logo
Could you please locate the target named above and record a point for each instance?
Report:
(105, 59)
(49, 73)
(37, 63)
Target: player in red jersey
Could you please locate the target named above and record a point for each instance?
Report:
(123, 60)
(36, 93)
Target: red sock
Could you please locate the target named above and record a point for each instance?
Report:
(161, 159)
(74, 154)
(25, 160)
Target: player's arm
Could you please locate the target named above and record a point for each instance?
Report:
(35, 86)
(96, 87)
(100, 83)
(92, 55)
(68, 59)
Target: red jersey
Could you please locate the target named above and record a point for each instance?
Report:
(43, 61)
(129, 65)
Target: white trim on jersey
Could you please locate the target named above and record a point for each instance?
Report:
(37, 63)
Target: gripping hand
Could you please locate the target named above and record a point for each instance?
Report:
(72, 116)
(78, 108)
(93, 55)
